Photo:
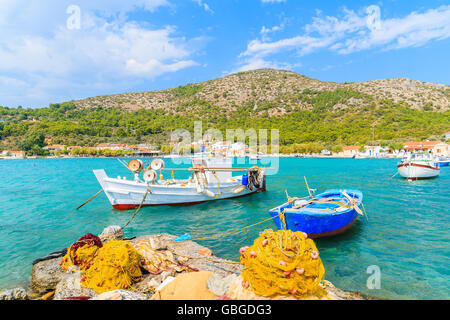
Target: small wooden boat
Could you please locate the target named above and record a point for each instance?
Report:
(255, 157)
(327, 214)
(211, 180)
(417, 166)
(443, 162)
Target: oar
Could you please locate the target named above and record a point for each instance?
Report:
(353, 203)
(287, 196)
(309, 191)
(90, 199)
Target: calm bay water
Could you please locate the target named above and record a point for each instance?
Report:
(407, 235)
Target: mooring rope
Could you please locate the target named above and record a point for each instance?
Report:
(140, 206)
(91, 198)
(238, 230)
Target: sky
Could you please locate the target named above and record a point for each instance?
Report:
(60, 50)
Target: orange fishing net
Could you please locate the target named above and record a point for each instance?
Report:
(81, 253)
(282, 263)
(157, 261)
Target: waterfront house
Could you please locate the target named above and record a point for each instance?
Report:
(221, 147)
(16, 154)
(350, 151)
(437, 148)
(239, 149)
(374, 151)
(55, 147)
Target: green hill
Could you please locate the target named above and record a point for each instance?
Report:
(305, 111)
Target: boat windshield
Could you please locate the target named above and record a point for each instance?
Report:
(421, 156)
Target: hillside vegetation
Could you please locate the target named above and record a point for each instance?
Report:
(305, 111)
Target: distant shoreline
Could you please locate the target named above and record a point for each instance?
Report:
(164, 157)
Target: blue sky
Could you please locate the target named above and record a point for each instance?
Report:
(59, 50)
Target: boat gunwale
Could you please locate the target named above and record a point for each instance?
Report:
(307, 211)
(413, 164)
(173, 185)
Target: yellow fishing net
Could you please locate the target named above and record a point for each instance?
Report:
(83, 257)
(117, 266)
(282, 263)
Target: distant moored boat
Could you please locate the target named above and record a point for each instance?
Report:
(417, 166)
(443, 161)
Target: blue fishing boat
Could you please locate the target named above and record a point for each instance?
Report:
(327, 214)
(443, 162)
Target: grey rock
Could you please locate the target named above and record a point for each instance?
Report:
(70, 286)
(46, 275)
(121, 295)
(14, 294)
(111, 233)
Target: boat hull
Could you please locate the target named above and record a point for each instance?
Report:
(127, 194)
(316, 224)
(415, 171)
(442, 163)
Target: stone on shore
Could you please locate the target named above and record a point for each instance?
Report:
(121, 295)
(70, 286)
(14, 294)
(111, 233)
(46, 275)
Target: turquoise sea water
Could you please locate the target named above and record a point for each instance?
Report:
(407, 235)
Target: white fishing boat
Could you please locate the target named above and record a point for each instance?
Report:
(256, 156)
(211, 179)
(417, 166)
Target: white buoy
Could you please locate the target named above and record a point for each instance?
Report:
(239, 189)
(209, 193)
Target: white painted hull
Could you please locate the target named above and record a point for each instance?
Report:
(128, 194)
(415, 171)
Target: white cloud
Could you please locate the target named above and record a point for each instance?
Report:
(203, 5)
(354, 32)
(266, 31)
(40, 65)
(414, 30)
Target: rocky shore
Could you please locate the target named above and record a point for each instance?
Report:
(49, 281)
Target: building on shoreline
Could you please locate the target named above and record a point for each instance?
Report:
(13, 154)
(350, 151)
(437, 148)
(55, 147)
